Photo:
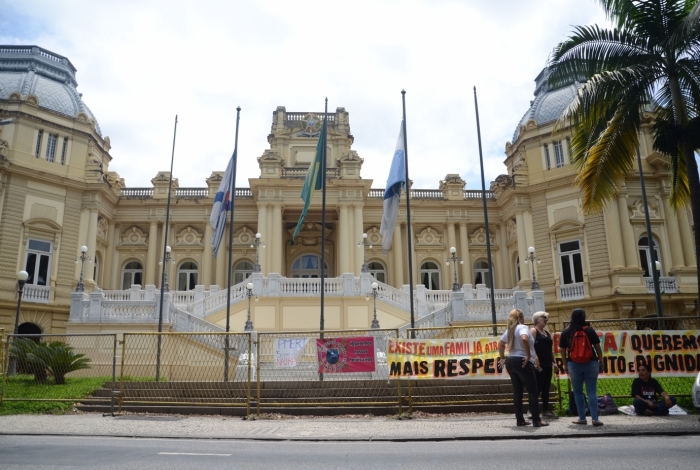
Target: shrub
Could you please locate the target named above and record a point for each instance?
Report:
(56, 359)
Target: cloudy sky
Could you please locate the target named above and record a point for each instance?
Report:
(141, 62)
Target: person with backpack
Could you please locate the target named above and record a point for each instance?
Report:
(645, 391)
(582, 359)
(520, 364)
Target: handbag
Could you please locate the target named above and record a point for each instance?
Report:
(606, 405)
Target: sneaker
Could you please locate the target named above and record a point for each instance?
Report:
(597, 423)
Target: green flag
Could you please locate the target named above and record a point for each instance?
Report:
(313, 180)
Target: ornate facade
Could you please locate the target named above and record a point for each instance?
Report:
(57, 194)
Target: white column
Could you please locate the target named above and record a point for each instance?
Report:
(262, 229)
(397, 254)
(358, 227)
(276, 240)
(151, 271)
(110, 252)
(522, 247)
(207, 256)
(116, 262)
(343, 241)
(451, 242)
(686, 238)
(464, 253)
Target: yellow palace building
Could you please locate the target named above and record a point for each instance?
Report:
(57, 195)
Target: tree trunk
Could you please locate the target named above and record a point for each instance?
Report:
(694, 184)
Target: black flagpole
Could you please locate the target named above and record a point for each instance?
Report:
(323, 213)
(232, 185)
(408, 214)
(486, 217)
(165, 256)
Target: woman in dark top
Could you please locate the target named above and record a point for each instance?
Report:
(545, 357)
(582, 372)
(645, 391)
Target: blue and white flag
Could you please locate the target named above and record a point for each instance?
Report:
(222, 204)
(392, 193)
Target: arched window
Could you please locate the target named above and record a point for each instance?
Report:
(132, 274)
(517, 269)
(377, 270)
(430, 275)
(242, 271)
(645, 255)
(481, 273)
(307, 266)
(187, 276)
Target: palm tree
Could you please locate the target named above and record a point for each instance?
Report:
(649, 62)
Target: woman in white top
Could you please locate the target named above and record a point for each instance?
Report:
(521, 364)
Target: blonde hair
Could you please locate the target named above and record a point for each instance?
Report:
(513, 321)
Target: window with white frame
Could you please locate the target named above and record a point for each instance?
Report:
(547, 161)
(39, 137)
(38, 262)
(187, 276)
(64, 150)
(649, 255)
(308, 266)
(571, 262)
(242, 271)
(430, 275)
(51, 145)
(132, 274)
(481, 273)
(377, 270)
(559, 154)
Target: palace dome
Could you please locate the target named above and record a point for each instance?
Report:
(549, 103)
(31, 70)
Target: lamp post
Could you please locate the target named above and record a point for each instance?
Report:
(249, 293)
(22, 277)
(168, 258)
(454, 258)
(531, 258)
(364, 245)
(83, 257)
(374, 293)
(256, 244)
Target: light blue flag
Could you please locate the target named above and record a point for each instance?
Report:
(222, 204)
(392, 193)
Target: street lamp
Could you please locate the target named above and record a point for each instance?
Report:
(22, 277)
(454, 258)
(374, 293)
(249, 294)
(168, 258)
(531, 258)
(83, 257)
(256, 244)
(364, 245)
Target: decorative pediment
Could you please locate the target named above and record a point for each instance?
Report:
(32, 99)
(637, 209)
(244, 236)
(350, 156)
(134, 237)
(429, 237)
(271, 156)
(479, 237)
(512, 229)
(189, 236)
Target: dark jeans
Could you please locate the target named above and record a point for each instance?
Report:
(640, 406)
(523, 376)
(544, 380)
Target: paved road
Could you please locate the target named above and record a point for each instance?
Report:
(634, 453)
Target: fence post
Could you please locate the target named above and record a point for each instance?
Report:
(458, 307)
(76, 306)
(521, 301)
(538, 298)
(95, 312)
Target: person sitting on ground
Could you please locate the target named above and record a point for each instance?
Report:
(645, 390)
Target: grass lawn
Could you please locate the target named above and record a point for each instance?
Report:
(24, 386)
(623, 387)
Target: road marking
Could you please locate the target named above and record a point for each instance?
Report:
(191, 453)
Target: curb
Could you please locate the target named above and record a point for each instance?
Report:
(486, 437)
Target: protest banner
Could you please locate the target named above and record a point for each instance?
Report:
(288, 351)
(341, 355)
(667, 353)
(473, 358)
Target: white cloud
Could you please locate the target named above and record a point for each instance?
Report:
(141, 62)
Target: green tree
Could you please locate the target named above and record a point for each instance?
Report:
(648, 62)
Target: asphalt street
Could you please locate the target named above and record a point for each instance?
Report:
(634, 453)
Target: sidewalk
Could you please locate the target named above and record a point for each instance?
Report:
(345, 428)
